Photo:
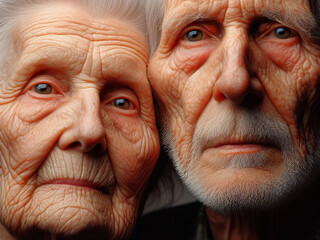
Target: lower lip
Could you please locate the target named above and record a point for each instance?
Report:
(235, 149)
(74, 183)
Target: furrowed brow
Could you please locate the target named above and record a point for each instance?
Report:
(302, 22)
(176, 21)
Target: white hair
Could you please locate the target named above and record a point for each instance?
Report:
(242, 194)
(146, 15)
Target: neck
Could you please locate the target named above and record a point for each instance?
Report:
(230, 227)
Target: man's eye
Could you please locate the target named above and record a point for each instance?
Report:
(122, 103)
(43, 88)
(282, 32)
(194, 35)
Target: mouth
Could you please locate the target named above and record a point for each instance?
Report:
(79, 183)
(240, 148)
(241, 145)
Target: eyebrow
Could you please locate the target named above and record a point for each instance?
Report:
(174, 21)
(302, 22)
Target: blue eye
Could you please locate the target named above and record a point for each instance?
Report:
(122, 103)
(43, 88)
(282, 32)
(194, 35)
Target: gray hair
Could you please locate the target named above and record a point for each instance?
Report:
(315, 9)
(146, 15)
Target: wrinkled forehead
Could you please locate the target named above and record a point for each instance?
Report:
(75, 17)
(221, 9)
(71, 21)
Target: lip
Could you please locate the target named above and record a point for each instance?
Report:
(77, 183)
(243, 148)
(240, 145)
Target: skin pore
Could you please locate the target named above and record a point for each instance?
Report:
(228, 74)
(78, 138)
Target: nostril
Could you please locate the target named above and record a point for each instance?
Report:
(98, 149)
(252, 100)
(76, 144)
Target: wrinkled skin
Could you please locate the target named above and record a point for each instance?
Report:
(211, 80)
(77, 151)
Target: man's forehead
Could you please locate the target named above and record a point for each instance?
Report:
(215, 7)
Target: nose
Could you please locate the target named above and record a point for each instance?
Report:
(85, 132)
(234, 83)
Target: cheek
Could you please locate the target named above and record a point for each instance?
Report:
(185, 89)
(169, 76)
(185, 83)
(32, 110)
(182, 137)
(283, 89)
(188, 60)
(285, 55)
(26, 139)
(126, 128)
(133, 148)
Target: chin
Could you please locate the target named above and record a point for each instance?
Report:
(232, 191)
(73, 224)
(242, 186)
(67, 212)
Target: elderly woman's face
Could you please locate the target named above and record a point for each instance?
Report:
(78, 139)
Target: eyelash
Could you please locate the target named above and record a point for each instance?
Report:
(113, 96)
(193, 28)
(132, 104)
(56, 90)
(209, 34)
(270, 28)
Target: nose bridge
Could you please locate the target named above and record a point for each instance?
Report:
(235, 49)
(234, 80)
(86, 130)
(90, 122)
(89, 111)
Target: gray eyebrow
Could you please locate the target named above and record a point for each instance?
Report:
(174, 21)
(302, 22)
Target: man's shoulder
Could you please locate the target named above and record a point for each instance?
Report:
(171, 223)
(183, 212)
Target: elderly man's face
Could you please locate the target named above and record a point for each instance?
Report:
(78, 138)
(229, 74)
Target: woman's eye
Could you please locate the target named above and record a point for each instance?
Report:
(43, 88)
(282, 32)
(194, 35)
(122, 103)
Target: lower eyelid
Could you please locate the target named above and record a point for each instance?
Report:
(56, 92)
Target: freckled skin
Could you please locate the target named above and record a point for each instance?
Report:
(73, 162)
(198, 81)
